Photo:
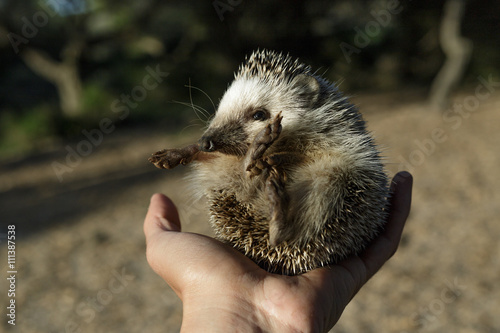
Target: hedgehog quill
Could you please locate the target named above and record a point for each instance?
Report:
(292, 177)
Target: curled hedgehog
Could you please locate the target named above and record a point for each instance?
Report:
(292, 177)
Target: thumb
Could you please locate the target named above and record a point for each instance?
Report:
(162, 216)
(161, 226)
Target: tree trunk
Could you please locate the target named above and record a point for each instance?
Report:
(457, 50)
(64, 75)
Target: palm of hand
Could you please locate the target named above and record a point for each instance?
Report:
(221, 288)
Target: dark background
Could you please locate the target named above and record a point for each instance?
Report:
(108, 45)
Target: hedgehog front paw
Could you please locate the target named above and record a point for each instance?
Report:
(254, 163)
(170, 158)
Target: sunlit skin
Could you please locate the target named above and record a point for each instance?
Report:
(224, 291)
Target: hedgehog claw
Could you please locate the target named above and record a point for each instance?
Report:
(255, 164)
(170, 158)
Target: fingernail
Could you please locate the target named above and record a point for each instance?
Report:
(166, 224)
(402, 176)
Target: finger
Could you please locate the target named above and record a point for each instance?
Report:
(162, 216)
(179, 258)
(401, 188)
(387, 243)
(163, 242)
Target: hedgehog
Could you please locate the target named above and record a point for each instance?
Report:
(291, 175)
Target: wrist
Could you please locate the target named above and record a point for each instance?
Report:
(216, 315)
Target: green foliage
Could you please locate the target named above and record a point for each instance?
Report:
(24, 132)
(96, 101)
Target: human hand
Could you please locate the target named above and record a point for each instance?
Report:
(224, 291)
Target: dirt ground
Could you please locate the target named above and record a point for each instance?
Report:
(80, 251)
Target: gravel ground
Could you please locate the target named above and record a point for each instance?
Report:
(80, 251)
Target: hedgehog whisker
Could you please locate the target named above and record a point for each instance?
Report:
(205, 112)
(200, 90)
(199, 111)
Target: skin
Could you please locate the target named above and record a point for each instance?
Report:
(224, 291)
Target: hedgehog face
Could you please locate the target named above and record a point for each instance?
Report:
(242, 113)
(247, 106)
(267, 84)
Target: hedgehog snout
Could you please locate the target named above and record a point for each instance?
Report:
(229, 138)
(207, 144)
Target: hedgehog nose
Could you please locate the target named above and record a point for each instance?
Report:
(206, 144)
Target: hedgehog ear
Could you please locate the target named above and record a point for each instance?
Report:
(308, 87)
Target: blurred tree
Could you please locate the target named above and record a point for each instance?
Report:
(64, 74)
(457, 50)
(76, 27)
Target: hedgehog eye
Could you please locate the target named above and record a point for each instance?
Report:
(260, 115)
